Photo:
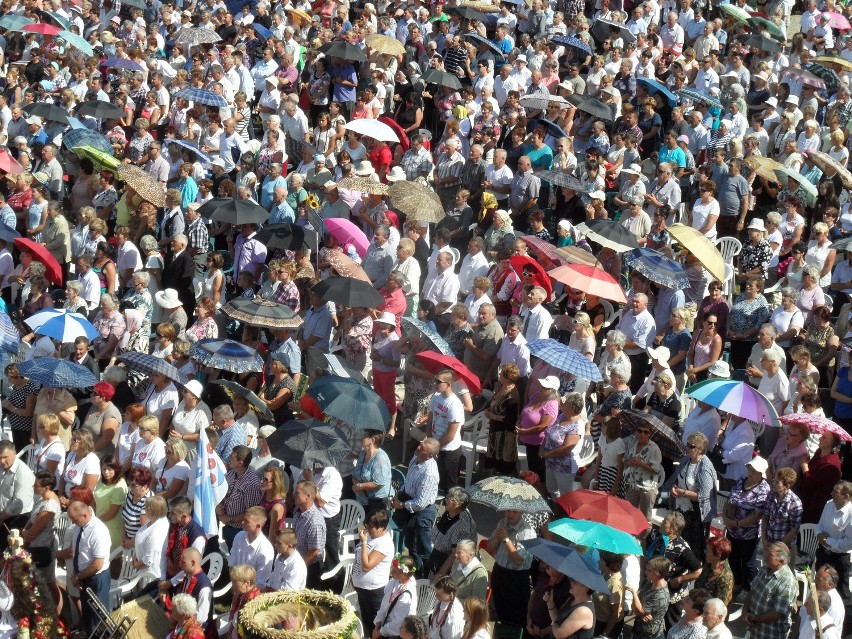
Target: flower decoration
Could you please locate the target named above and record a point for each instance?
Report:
(313, 202)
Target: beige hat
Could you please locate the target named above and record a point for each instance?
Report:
(633, 169)
(396, 174)
(364, 169)
(598, 195)
(757, 225)
(719, 368)
(660, 354)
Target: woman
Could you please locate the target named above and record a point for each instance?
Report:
(128, 434)
(39, 532)
(318, 85)
(749, 313)
(244, 589)
(613, 353)
(49, 454)
(39, 298)
(37, 214)
(161, 399)
(110, 495)
(742, 517)
(691, 624)
(105, 199)
(819, 475)
(575, 620)
(790, 451)
(455, 524)
(705, 211)
(499, 234)
(821, 341)
(617, 399)
(164, 341)
(756, 254)
(134, 505)
(184, 618)
(149, 549)
(371, 478)
(150, 449)
(475, 616)
(810, 295)
(678, 340)
(447, 620)
(792, 225)
(110, 324)
(82, 467)
(154, 269)
(694, 492)
(19, 406)
(205, 326)
(191, 415)
(468, 573)
(560, 440)
(787, 318)
(371, 573)
(716, 576)
(21, 197)
(539, 413)
(171, 477)
(651, 124)
(663, 401)
(214, 279)
(137, 149)
(273, 500)
(583, 336)
(774, 384)
(820, 254)
(278, 388)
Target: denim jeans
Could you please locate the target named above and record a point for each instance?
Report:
(417, 535)
(99, 584)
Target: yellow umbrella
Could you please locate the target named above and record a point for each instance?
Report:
(843, 63)
(300, 14)
(764, 167)
(385, 44)
(702, 248)
(98, 157)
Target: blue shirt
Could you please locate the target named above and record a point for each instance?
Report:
(267, 190)
(318, 323)
(675, 156)
(343, 93)
(281, 213)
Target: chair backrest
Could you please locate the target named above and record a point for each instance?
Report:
(426, 597)
(127, 569)
(721, 501)
(586, 448)
(807, 540)
(397, 479)
(609, 313)
(60, 527)
(27, 454)
(351, 514)
(758, 429)
(729, 247)
(214, 562)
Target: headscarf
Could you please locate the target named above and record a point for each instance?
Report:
(507, 229)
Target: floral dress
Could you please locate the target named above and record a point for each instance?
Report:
(554, 436)
(502, 439)
(205, 329)
(138, 147)
(719, 585)
(456, 338)
(748, 314)
(757, 257)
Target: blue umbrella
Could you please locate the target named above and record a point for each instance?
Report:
(226, 355)
(697, 96)
(439, 343)
(596, 535)
(569, 562)
(7, 233)
(554, 129)
(206, 160)
(75, 138)
(10, 338)
(76, 41)
(202, 96)
(657, 267)
(61, 325)
(261, 31)
(14, 22)
(148, 364)
(574, 43)
(655, 86)
(352, 403)
(478, 39)
(75, 124)
(559, 355)
(57, 373)
(122, 63)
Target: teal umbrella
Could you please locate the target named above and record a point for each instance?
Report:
(78, 42)
(595, 535)
(59, 19)
(14, 23)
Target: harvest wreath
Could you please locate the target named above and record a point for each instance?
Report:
(303, 614)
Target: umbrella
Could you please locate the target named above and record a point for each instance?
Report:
(202, 96)
(226, 355)
(47, 111)
(694, 95)
(122, 63)
(57, 373)
(310, 443)
(670, 443)
(196, 35)
(762, 24)
(840, 245)
(569, 562)
(416, 201)
(843, 63)
(805, 185)
(346, 232)
(139, 4)
(344, 50)
(262, 32)
(544, 250)
(61, 325)
(302, 15)
(87, 138)
(736, 398)
(560, 178)
(78, 42)
(521, 262)
(255, 402)
(508, 493)
(829, 76)
(41, 254)
(764, 167)
(597, 109)
(348, 291)
(565, 359)
(835, 20)
(608, 234)
(831, 167)
(351, 402)
(101, 159)
(590, 279)
(287, 237)
(478, 39)
(804, 77)
(235, 212)
(42, 28)
(655, 86)
(575, 43)
(576, 255)
(373, 129)
(594, 535)
(657, 267)
(737, 13)
(7, 233)
(149, 365)
(434, 362)
(762, 42)
(12, 22)
(601, 30)
(10, 338)
(8, 164)
(550, 127)
(345, 266)
(594, 505)
(540, 102)
(100, 109)
(469, 13)
(341, 368)
(205, 159)
(702, 248)
(441, 78)
(384, 44)
(363, 185)
(261, 312)
(409, 324)
(816, 424)
(140, 181)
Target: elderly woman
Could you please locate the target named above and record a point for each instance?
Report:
(140, 480)
(810, 295)
(613, 354)
(468, 573)
(205, 326)
(742, 517)
(500, 233)
(19, 405)
(371, 477)
(244, 589)
(756, 254)
(454, 525)
(694, 492)
(782, 513)
(539, 413)
(787, 318)
(278, 388)
(774, 384)
(74, 302)
(82, 467)
(618, 397)
(560, 441)
(39, 531)
(748, 314)
(691, 624)
(642, 465)
(822, 343)
(150, 449)
(820, 254)
(819, 475)
(663, 400)
(716, 576)
(110, 324)
(137, 150)
(149, 549)
(140, 295)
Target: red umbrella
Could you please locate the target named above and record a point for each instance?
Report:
(8, 163)
(520, 262)
(403, 136)
(603, 508)
(43, 29)
(544, 251)
(590, 279)
(53, 270)
(433, 362)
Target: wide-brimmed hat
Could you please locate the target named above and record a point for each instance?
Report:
(396, 174)
(194, 387)
(551, 382)
(364, 169)
(168, 298)
(720, 368)
(660, 354)
(759, 464)
(386, 318)
(757, 225)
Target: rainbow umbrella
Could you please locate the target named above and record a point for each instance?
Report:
(816, 424)
(736, 398)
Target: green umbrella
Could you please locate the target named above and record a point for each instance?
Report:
(14, 23)
(805, 186)
(596, 535)
(762, 24)
(102, 160)
(737, 13)
(78, 42)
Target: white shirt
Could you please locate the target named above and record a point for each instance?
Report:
(288, 573)
(472, 266)
(150, 546)
(837, 524)
(446, 411)
(258, 554)
(501, 177)
(405, 596)
(76, 470)
(91, 542)
(708, 422)
(149, 455)
(379, 575)
(330, 487)
(537, 323)
(128, 258)
(91, 288)
(453, 625)
(515, 352)
(441, 288)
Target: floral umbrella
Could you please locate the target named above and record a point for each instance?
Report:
(508, 493)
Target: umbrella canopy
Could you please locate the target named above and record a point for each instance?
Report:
(477, 39)
(835, 60)
(804, 77)
(594, 535)
(363, 185)
(566, 359)
(149, 365)
(434, 362)
(344, 50)
(694, 95)
(441, 78)
(385, 44)
(702, 248)
(508, 493)
(657, 267)
(78, 42)
(235, 211)
(346, 232)
(261, 312)
(206, 160)
(61, 325)
(764, 167)
(416, 201)
(736, 398)
(145, 185)
(670, 443)
(409, 324)
(262, 32)
(805, 186)
(10, 338)
(123, 63)
(596, 109)
(559, 178)
(831, 167)
(8, 164)
(608, 234)
(590, 279)
(352, 403)
(345, 266)
(816, 424)
(46, 111)
(841, 245)
(468, 13)
(544, 251)
(41, 254)
(737, 13)
(520, 263)
(538, 101)
(202, 96)
(575, 43)
(100, 109)
(829, 76)
(255, 402)
(310, 443)
(57, 373)
(42, 28)
(196, 35)
(762, 42)
(576, 255)
(103, 160)
(302, 15)
(602, 29)
(655, 86)
(287, 237)
(226, 355)
(603, 508)
(348, 291)
(373, 129)
(834, 20)
(762, 24)
(569, 562)
(12, 22)
(550, 127)
(340, 367)
(7, 233)
(86, 137)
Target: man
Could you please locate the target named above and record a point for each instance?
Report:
(252, 547)
(524, 190)
(329, 484)
(16, 491)
(668, 300)
(442, 287)
(231, 147)
(249, 254)
(498, 179)
(446, 416)
(157, 166)
(280, 211)
(53, 168)
(378, 261)
(715, 613)
(513, 349)
(89, 552)
(537, 319)
(483, 346)
(289, 571)
(512, 562)
(37, 134)
(769, 606)
(672, 34)
(416, 501)
(243, 493)
(474, 264)
(417, 161)
(333, 206)
(128, 260)
(231, 433)
(734, 193)
(316, 332)
(309, 525)
(809, 613)
(639, 328)
(191, 580)
(448, 171)
(198, 237)
(834, 535)
(664, 190)
(184, 533)
(179, 272)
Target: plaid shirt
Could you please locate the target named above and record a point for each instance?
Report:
(287, 294)
(773, 592)
(235, 435)
(310, 531)
(198, 236)
(417, 164)
(784, 516)
(843, 112)
(243, 493)
(421, 484)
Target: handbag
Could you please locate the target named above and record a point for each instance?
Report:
(715, 456)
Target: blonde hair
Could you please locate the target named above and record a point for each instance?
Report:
(687, 316)
(243, 573)
(49, 423)
(583, 319)
(156, 507)
(149, 424)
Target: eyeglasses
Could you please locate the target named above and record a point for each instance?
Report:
(691, 446)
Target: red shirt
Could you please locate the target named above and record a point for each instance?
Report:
(381, 156)
(395, 303)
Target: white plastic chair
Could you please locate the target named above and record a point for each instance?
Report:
(473, 444)
(806, 540)
(128, 578)
(426, 598)
(346, 565)
(213, 564)
(60, 527)
(589, 454)
(27, 454)
(729, 247)
(728, 284)
(351, 516)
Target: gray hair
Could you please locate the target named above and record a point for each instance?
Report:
(770, 356)
(115, 375)
(466, 545)
(148, 243)
(109, 301)
(811, 271)
(782, 551)
(75, 285)
(515, 321)
(223, 412)
(185, 605)
(640, 297)
(620, 371)
(789, 291)
(458, 495)
(143, 277)
(489, 308)
(773, 217)
(770, 328)
(181, 238)
(616, 337)
(383, 229)
(676, 520)
(718, 606)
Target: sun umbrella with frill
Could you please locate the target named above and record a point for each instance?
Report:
(560, 178)
(345, 266)
(140, 181)
(816, 424)
(372, 129)
(226, 355)
(255, 402)
(508, 493)
(262, 312)
(736, 398)
(590, 279)
(363, 185)
(576, 255)
(411, 325)
(764, 167)
(669, 442)
(657, 267)
(843, 63)
(196, 35)
(830, 167)
(608, 234)
(593, 534)
(595, 505)
(57, 373)
(565, 359)
(702, 248)
(385, 45)
(416, 201)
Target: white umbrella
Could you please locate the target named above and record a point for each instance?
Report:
(372, 128)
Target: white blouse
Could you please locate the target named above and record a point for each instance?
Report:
(149, 455)
(76, 470)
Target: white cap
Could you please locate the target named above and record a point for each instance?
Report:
(793, 99)
(551, 382)
(757, 225)
(521, 58)
(597, 195)
(759, 464)
(34, 119)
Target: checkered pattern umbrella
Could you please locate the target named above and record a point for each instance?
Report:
(148, 365)
(76, 138)
(57, 373)
(202, 96)
(559, 355)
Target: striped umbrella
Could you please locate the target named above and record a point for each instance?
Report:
(202, 96)
(669, 442)
(736, 398)
(10, 338)
(57, 373)
(62, 325)
(695, 95)
(226, 355)
(559, 355)
(657, 267)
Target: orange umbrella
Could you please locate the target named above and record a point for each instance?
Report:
(521, 262)
(589, 279)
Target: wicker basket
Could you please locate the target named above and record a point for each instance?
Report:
(325, 615)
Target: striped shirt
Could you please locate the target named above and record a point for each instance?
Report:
(421, 484)
(131, 512)
(243, 493)
(449, 165)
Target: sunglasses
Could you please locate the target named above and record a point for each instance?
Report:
(691, 446)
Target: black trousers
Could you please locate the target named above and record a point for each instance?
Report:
(638, 370)
(369, 602)
(448, 468)
(741, 561)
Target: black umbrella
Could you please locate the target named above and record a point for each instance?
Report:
(233, 388)
(469, 13)
(347, 291)
(829, 76)
(478, 39)
(561, 179)
(261, 312)
(345, 50)
(609, 234)
(597, 109)
(551, 127)
(353, 403)
(287, 237)
(762, 42)
(312, 442)
(100, 109)
(47, 111)
(601, 30)
(234, 211)
(442, 78)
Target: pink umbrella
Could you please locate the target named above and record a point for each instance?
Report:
(8, 163)
(346, 232)
(835, 21)
(816, 424)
